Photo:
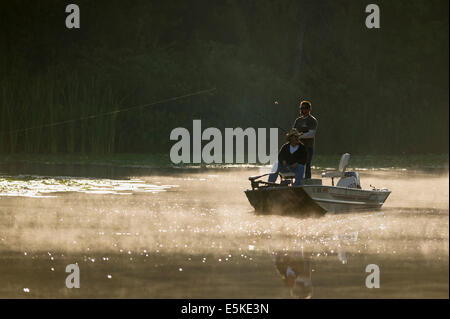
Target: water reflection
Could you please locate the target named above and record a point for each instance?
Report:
(296, 271)
(134, 246)
(296, 267)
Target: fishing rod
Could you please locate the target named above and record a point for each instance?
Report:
(106, 113)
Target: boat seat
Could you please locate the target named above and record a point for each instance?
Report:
(287, 175)
(340, 172)
(343, 163)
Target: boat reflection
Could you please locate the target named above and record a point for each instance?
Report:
(295, 270)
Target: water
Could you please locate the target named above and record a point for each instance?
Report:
(141, 233)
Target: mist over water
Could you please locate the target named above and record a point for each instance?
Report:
(192, 233)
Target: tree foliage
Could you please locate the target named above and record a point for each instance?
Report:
(379, 91)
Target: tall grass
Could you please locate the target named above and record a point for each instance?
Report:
(350, 125)
(45, 100)
(373, 92)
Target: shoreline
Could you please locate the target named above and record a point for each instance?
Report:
(162, 161)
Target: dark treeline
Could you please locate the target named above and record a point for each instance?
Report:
(377, 91)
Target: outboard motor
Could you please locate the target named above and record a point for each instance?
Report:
(350, 180)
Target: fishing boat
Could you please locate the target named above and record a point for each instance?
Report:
(312, 197)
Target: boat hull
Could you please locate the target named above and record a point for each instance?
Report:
(340, 199)
(283, 200)
(314, 199)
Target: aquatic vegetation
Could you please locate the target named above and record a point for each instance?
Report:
(42, 186)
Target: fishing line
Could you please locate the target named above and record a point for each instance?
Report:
(269, 121)
(107, 113)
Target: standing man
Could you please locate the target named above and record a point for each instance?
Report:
(307, 124)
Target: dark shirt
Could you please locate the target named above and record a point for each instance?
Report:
(303, 125)
(299, 156)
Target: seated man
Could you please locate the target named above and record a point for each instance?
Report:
(291, 158)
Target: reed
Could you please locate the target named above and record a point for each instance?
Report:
(45, 100)
(373, 92)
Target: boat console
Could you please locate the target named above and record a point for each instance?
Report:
(350, 180)
(347, 179)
